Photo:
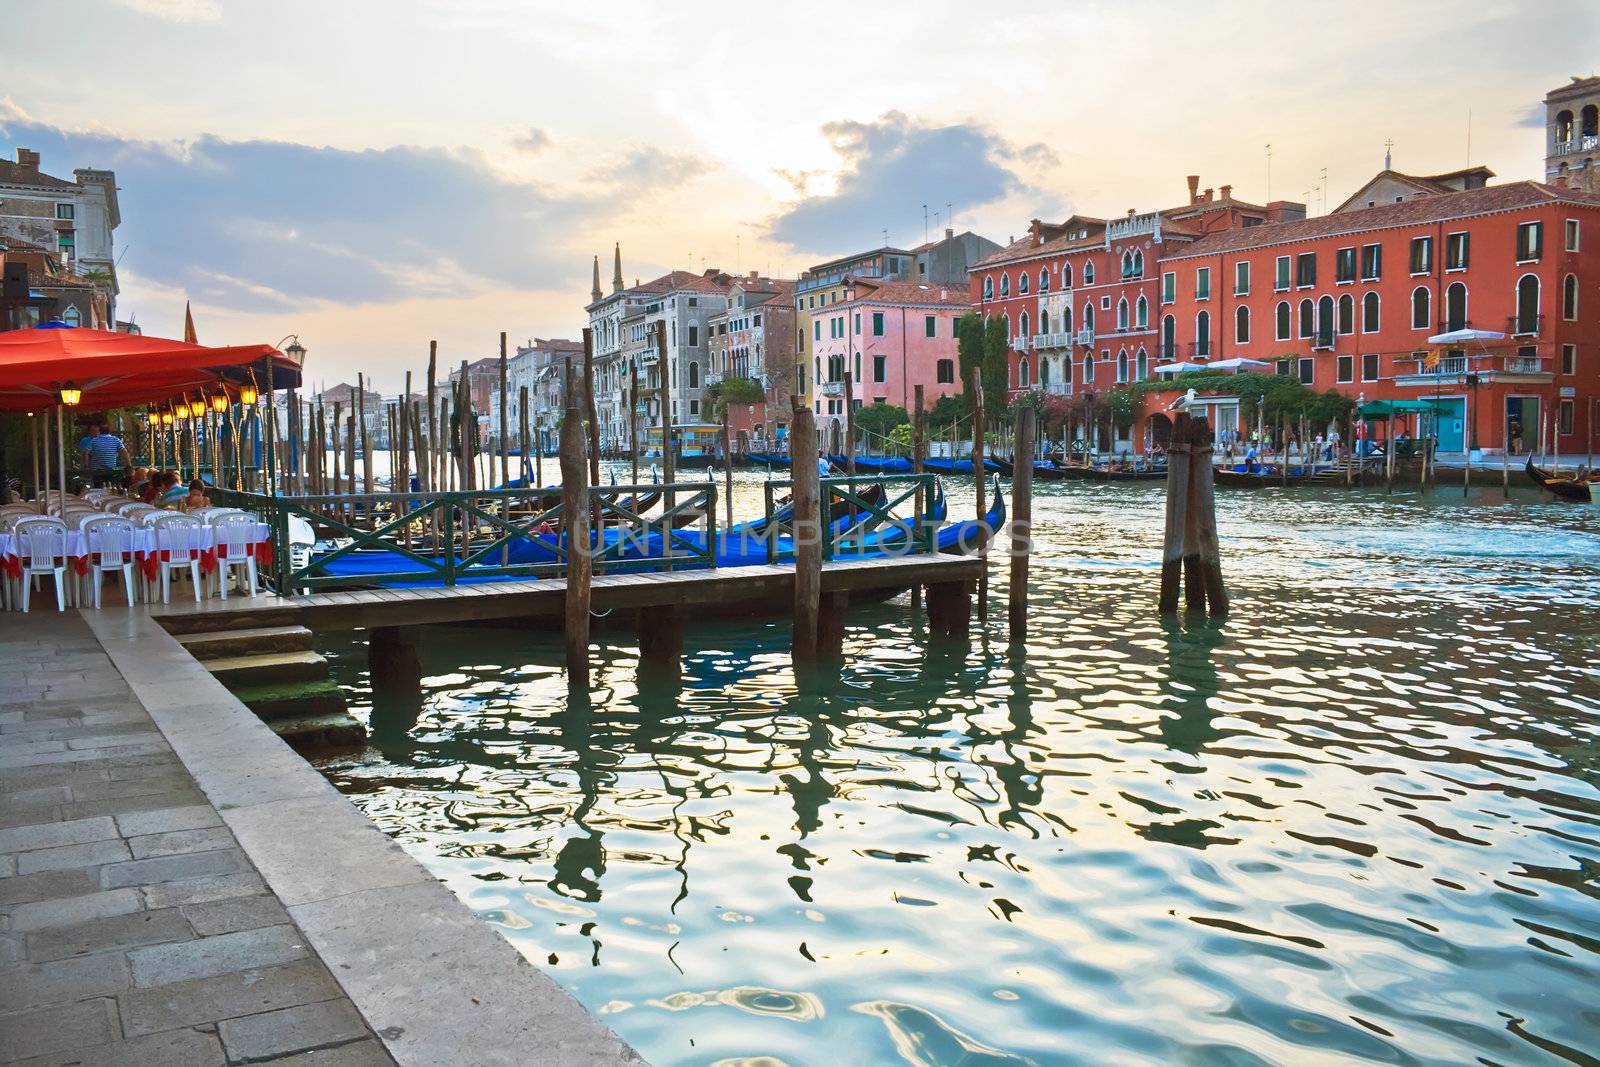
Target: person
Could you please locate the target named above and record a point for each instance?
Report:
(1251, 456)
(171, 490)
(105, 458)
(1316, 449)
(824, 468)
(197, 498)
(150, 491)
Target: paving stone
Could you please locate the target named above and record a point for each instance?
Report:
(69, 911)
(119, 932)
(350, 853)
(32, 815)
(174, 1048)
(119, 805)
(240, 913)
(208, 956)
(107, 739)
(57, 1028)
(19, 750)
(171, 868)
(180, 841)
(17, 779)
(138, 787)
(65, 857)
(12, 948)
(49, 835)
(359, 1054)
(68, 883)
(278, 1033)
(49, 794)
(8, 865)
(128, 770)
(165, 820)
(40, 984)
(92, 756)
(201, 890)
(226, 996)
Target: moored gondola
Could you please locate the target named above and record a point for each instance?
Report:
(1565, 488)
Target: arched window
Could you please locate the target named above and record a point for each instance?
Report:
(1066, 320)
(1569, 298)
(1066, 275)
(1122, 313)
(988, 287)
(1005, 324)
(1241, 325)
(1141, 313)
(1022, 324)
(1325, 321)
(1044, 372)
(1308, 318)
(1138, 264)
(72, 316)
(1005, 286)
(1022, 283)
(1022, 373)
(1143, 368)
(1127, 264)
(1088, 272)
(1421, 308)
(1044, 320)
(1202, 334)
(1066, 371)
(1088, 367)
(1591, 120)
(1455, 307)
(1370, 320)
(694, 375)
(1088, 316)
(1563, 126)
(1347, 314)
(1169, 337)
(1527, 304)
(1122, 365)
(1285, 316)
(1044, 279)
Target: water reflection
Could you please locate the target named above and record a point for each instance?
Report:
(1355, 821)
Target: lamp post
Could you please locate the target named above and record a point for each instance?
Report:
(70, 395)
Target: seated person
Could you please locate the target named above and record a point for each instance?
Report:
(172, 493)
(197, 498)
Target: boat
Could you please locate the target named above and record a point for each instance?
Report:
(1125, 474)
(958, 466)
(1265, 477)
(1565, 488)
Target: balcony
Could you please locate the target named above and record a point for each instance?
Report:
(1525, 325)
(835, 388)
(1058, 388)
(1019, 344)
(1086, 336)
(1586, 143)
(1524, 364)
(1198, 350)
(1322, 342)
(712, 378)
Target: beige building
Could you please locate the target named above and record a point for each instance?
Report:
(73, 222)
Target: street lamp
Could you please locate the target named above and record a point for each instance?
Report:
(247, 395)
(219, 403)
(70, 394)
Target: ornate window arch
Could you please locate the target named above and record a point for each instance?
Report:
(1005, 285)
(1143, 365)
(988, 286)
(1285, 321)
(1421, 308)
(1141, 312)
(1044, 279)
(1022, 283)
(1022, 373)
(1241, 325)
(1088, 272)
(1371, 313)
(1122, 313)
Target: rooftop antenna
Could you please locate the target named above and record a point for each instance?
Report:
(738, 255)
(924, 223)
(1269, 172)
(1469, 136)
(886, 238)
(1388, 154)
(1324, 190)
(949, 219)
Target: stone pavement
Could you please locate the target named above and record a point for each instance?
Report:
(133, 929)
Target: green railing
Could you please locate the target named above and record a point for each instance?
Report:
(449, 537)
(847, 533)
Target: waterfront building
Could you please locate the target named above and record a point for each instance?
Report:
(1572, 134)
(754, 337)
(47, 289)
(538, 366)
(73, 222)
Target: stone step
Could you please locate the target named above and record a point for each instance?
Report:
(224, 644)
(269, 668)
(320, 733)
(218, 618)
(292, 700)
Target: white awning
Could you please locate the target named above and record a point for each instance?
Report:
(1180, 368)
(1456, 337)
(1237, 363)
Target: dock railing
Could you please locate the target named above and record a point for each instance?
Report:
(845, 536)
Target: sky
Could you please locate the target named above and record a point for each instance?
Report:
(371, 175)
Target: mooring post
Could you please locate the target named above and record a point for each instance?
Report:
(1177, 505)
(850, 424)
(590, 413)
(1021, 521)
(395, 671)
(575, 522)
(807, 530)
(831, 611)
(505, 422)
(661, 642)
(1203, 504)
(1194, 583)
(918, 428)
(978, 488)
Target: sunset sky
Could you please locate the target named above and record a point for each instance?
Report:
(372, 175)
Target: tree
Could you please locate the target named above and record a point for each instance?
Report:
(732, 392)
(996, 362)
(879, 419)
(949, 408)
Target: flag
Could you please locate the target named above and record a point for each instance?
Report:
(188, 325)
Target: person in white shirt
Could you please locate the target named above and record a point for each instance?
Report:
(824, 469)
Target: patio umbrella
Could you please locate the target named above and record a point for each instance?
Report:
(1456, 337)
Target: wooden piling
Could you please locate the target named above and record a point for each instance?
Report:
(526, 473)
(505, 423)
(366, 442)
(807, 530)
(978, 486)
(918, 430)
(591, 416)
(633, 417)
(849, 422)
(831, 611)
(575, 524)
(727, 466)
(1203, 503)
(395, 671)
(1177, 509)
(464, 427)
(661, 642)
(1021, 521)
(337, 451)
(1388, 456)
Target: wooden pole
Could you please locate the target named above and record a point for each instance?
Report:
(727, 465)
(1283, 449)
(918, 429)
(433, 413)
(849, 422)
(978, 486)
(522, 437)
(338, 452)
(575, 523)
(1021, 522)
(633, 417)
(591, 415)
(669, 459)
(366, 438)
(505, 425)
(1177, 507)
(1203, 503)
(807, 531)
(469, 425)
(1388, 455)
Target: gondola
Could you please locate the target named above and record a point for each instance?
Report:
(1565, 488)
(1267, 477)
(1128, 474)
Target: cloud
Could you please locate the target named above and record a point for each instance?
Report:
(891, 167)
(532, 141)
(270, 224)
(648, 169)
(1533, 118)
(176, 10)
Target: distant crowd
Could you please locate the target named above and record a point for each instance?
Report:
(106, 463)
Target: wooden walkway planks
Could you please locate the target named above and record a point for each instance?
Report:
(766, 584)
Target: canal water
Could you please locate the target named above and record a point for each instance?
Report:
(1359, 821)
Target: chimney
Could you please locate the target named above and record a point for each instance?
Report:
(949, 232)
(752, 275)
(1194, 188)
(1033, 232)
(1227, 192)
(1208, 196)
(27, 157)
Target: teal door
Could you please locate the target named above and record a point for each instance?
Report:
(1452, 424)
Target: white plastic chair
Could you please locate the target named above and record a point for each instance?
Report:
(178, 546)
(109, 539)
(128, 507)
(41, 546)
(236, 541)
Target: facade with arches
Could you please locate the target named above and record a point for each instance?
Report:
(1572, 134)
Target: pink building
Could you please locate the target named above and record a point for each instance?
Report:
(891, 337)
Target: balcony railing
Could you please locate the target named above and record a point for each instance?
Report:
(1525, 325)
(1052, 340)
(1019, 344)
(1586, 143)
(1199, 349)
(1524, 364)
(1086, 335)
(832, 388)
(1058, 388)
(1322, 341)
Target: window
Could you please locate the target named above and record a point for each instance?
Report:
(1169, 287)
(816, 329)
(877, 324)
(1141, 313)
(1308, 371)
(1369, 313)
(1142, 368)
(694, 407)
(1530, 242)
(694, 301)
(694, 335)
(1088, 272)
(988, 287)
(1280, 281)
(1284, 368)
(1564, 417)
(1572, 235)
(1066, 275)
(1044, 279)
(1044, 372)
(1347, 314)
(1421, 255)
(1527, 305)
(694, 375)
(1022, 283)
(1421, 308)
(1169, 337)
(1202, 334)
(858, 324)
(1105, 303)
(1202, 283)
(1455, 251)
(1305, 270)
(1345, 368)
(72, 316)
(929, 326)
(1022, 325)
(1005, 286)
(1285, 316)
(1241, 278)
(1455, 307)
(1122, 366)
(1569, 298)
(1122, 313)
(880, 369)
(945, 372)
(1088, 368)
(1325, 322)
(1241, 325)
(1369, 367)
(1371, 262)
(1088, 317)
(1569, 359)
(1344, 265)
(66, 211)
(1308, 319)
(1044, 321)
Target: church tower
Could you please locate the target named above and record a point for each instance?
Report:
(616, 270)
(1572, 134)
(595, 294)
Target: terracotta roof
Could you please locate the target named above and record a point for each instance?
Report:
(1576, 86)
(1425, 183)
(17, 174)
(1026, 249)
(17, 244)
(557, 344)
(1488, 200)
(926, 294)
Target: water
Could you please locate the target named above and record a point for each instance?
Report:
(1357, 822)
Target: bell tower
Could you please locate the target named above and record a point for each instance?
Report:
(1572, 134)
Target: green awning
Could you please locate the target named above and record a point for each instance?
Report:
(1382, 409)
